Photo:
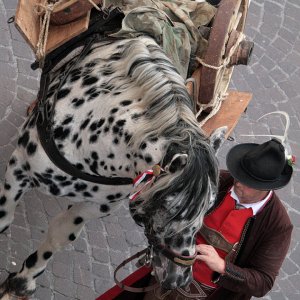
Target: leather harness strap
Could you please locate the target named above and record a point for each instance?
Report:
(130, 288)
(45, 117)
(215, 238)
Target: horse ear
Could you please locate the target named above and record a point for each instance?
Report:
(177, 163)
(217, 138)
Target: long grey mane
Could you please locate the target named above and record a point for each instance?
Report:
(169, 113)
(165, 98)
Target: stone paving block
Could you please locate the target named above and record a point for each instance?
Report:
(10, 4)
(85, 293)
(127, 223)
(28, 82)
(80, 245)
(26, 95)
(100, 255)
(292, 11)
(288, 89)
(277, 296)
(273, 8)
(24, 67)
(117, 243)
(15, 119)
(97, 238)
(267, 62)
(100, 270)
(6, 152)
(58, 296)
(287, 66)
(289, 267)
(135, 238)
(277, 74)
(64, 257)
(43, 293)
(286, 287)
(5, 135)
(61, 270)
(65, 287)
(102, 285)
(21, 49)
(83, 277)
(291, 25)
(114, 229)
(5, 55)
(82, 260)
(287, 35)
(95, 225)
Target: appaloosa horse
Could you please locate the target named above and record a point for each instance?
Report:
(108, 111)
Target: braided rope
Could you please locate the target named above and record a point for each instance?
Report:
(220, 97)
(44, 10)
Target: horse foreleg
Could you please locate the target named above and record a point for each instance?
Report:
(16, 183)
(63, 229)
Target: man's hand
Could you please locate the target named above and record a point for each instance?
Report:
(209, 255)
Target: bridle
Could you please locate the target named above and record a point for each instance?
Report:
(150, 177)
(146, 261)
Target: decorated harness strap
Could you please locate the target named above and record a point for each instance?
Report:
(145, 179)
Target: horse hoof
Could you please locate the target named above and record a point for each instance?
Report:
(14, 288)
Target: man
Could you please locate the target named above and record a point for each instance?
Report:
(246, 235)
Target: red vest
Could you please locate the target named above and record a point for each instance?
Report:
(230, 223)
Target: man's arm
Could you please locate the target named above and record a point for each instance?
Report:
(263, 267)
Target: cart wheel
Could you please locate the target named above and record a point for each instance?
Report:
(226, 48)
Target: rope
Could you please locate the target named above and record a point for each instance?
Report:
(44, 10)
(220, 97)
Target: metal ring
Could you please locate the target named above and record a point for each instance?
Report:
(11, 20)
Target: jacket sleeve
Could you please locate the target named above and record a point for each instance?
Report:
(258, 277)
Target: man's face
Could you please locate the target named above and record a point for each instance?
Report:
(247, 194)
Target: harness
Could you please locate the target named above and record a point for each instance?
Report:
(101, 23)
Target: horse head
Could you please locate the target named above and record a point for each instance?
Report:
(171, 210)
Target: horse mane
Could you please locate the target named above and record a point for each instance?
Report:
(169, 113)
(165, 97)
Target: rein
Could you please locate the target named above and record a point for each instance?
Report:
(148, 259)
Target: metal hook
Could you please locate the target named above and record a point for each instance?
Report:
(149, 257)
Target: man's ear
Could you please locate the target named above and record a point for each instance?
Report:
(217, 138)
(177, 163)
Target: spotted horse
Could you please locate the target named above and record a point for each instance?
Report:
(112, 109)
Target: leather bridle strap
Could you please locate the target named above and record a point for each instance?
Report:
(129, 288)
(181, 260)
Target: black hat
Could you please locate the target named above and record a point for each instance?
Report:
(260, 166)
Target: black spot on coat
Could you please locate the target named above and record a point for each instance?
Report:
(31, 260)
(47, 255)
(24, 139)
(31, 148)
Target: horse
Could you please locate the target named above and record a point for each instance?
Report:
(112, 109)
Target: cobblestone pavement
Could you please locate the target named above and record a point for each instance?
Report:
(85, 268)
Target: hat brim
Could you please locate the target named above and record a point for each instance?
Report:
(233, 162)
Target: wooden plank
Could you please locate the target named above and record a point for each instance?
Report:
(58, 35)
(27, 22)
(229, 113)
